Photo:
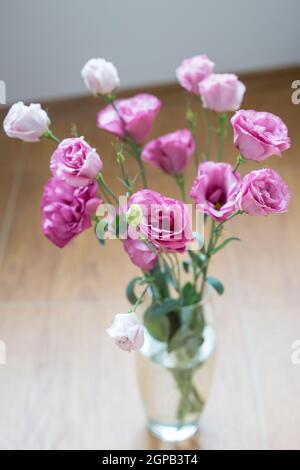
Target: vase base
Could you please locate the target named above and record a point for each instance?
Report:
(169, 433)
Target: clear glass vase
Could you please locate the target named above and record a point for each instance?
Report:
(174, 386)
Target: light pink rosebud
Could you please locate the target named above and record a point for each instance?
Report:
(135, 116)
(216, 190)
(66, 210)
(100, 76)
(222, 92)
(140, 254)
(75, 162)
(192, 71)
(258, 135)
(127, 332)
(27, 123)
(171, 152)
(264, 192)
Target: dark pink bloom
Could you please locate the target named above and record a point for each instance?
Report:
(171, 152)
(258, 135)
(66, 210)
(165, 222)
(264, 192)
(216, 189)
(135, 116)
(75, 162)
(140, 254)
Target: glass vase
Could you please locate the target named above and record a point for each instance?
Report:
(175, 386)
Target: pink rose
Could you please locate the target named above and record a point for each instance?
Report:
(222, 92)
(140, 254)
(27, 123)
(127, 332)
(192, 71)
(258, 135)
(66, 210)
(165, 222)
(75, 162)
(216, 190)
(172, 152)
(264, 192)
(135, 116)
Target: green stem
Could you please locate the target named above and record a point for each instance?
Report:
(139, 300)
(49, 135)
(206, 113)
(222, 133)
(240, 160)
(130, 141)
(106, 188)
(181, 183)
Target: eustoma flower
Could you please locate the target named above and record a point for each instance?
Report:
(100, 76)
(258, 135)
(171, 152)
(222, 92)
(192, 71)
(133, 116)
(27, 123)
(216, 190)
(66, 210)
(75, 162)
(165, 223)
(127, 332)
(264, 192)
(140, 254)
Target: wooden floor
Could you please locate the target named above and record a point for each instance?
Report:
(65, 385)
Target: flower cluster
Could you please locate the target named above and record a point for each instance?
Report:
(159, 228)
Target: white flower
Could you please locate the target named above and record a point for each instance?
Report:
(27, 123)
(127, 332)
(100, 76)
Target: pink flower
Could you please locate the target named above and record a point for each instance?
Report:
(165, 222)
(75, 162)
(172, 152)
(127, 332)
(27, 123)
(222, 92)
(66, 210)
(140, 254)
(264, 192)
(258, 135)
(216, 190)
(135, 116)
(192, 71)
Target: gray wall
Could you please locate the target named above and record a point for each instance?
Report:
(45, 43)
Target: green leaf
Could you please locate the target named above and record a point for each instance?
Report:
(130, 290)
(160, 281)
(223, 244)
(158, 327)
(216, 284)
(199, 260)
(186, 266)
(157, 310)
(189, 294)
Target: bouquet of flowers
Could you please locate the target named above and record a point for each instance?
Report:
(156, 230)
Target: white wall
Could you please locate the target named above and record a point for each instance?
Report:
(45, 43)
